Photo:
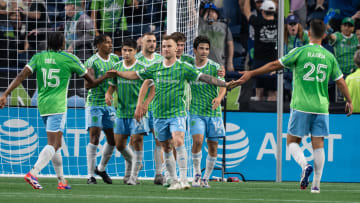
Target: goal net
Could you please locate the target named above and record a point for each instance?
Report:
(24, 28)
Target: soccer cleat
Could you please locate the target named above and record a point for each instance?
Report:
(304, 181)
(175, 186)
(185, 185)
(315, 190)
(33, 181)
(126, 179)
(159, 179)
(205, 183)
(132, 180)
(103, 175)
(91, 180)
(62, 186)
(196, 180)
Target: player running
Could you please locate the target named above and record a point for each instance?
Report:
(312, 66)
(99, 116)
(53, 68)
(205, 113)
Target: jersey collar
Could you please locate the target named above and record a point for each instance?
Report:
(104, 60)
(203, 65)
(129, 67)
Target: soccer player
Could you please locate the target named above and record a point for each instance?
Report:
(180, 40)
(205, 112)
(313, 66)
(169, 77)
(53, 68)
(100, 116)
(147, 55)
(126, 125)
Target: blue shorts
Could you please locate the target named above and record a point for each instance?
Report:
(151, 120)
(102, 117)
(54, 123)
(165, 126)
(129, 126)
(211, 127)
(301, 124)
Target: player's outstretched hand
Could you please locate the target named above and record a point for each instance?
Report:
(216, 102)
(348, 108)
(3, 101)
(111, 74)
(231, 84)
(246, 75)
(108, 99)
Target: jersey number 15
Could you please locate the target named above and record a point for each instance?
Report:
(51, 75)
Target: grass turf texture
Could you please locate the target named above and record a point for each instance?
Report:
(16, 190)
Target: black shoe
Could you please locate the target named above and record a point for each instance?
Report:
(91, 180)
(103, 175)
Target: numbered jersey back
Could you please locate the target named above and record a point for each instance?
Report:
(53, 72)
(312, 66)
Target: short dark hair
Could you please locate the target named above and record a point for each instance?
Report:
(201, 39)
(55, 41)
(149, 34)
(168, 37)
(317, 28)
(130, 43)
(100, 39)
(179, 37)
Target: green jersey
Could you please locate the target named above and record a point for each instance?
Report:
(140, 57)
(203, 93)
(353, 82)
(128, 90)
(312, 67)
(169, 101)
(190, 60)
(53, 71)
(344, 49)
(111, 12)
(96, 96)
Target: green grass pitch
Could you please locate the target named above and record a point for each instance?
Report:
(16, 190)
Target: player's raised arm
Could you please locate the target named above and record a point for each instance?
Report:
(212, 80)
(16, 82)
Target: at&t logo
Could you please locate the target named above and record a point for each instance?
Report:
(18, 141)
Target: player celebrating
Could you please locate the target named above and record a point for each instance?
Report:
(99, 116)
(53, 68)
(169, 107)
(126, 125)
(147, 55)
(205, 112)
(312, 66)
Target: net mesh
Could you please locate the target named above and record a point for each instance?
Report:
(24, 26)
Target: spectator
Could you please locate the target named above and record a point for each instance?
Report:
(265, 49)
(77, 30)
(137, 19)
(34, 14)
(18, 44)
(345, 45)
(294, 35)
(222, 47)
(353, 82)
(112, 21)
(348, 8)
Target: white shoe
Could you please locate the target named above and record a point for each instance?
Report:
(132, 180)
(196, 180)
(185, 185)
(175, 186)
(205, 183)
(315, 190)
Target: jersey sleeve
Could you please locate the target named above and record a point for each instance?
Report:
(77, 66)
(147, 72)
(191, 73)
(336, 73)
(32, 63)
(289, 60)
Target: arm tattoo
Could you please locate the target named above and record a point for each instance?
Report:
(212, 80)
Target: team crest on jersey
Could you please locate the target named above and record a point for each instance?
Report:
(159, 73)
